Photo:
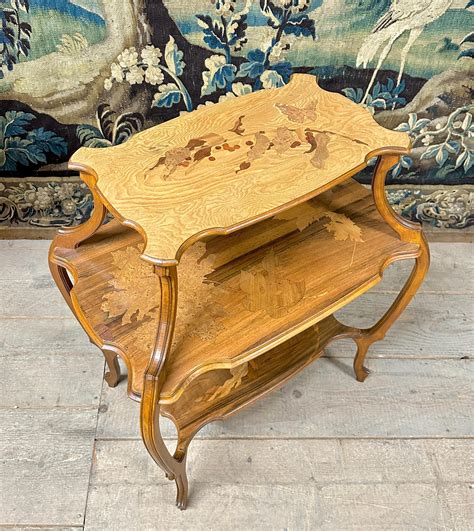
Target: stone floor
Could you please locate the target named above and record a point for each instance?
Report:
(323, 452)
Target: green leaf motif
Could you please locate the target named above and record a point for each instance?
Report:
(469, 162)
(174, 57)
(441, 156)
(91, 136)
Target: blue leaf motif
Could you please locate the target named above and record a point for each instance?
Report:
(301, 26)
(236, 31)
(47, 141)
(217, 75)
(353, 94)
(254, 67)
(274, 13)
(174, 57)
(214, 32)
(15, 120)
(167, 95)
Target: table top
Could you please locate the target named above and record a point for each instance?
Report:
(228, 165)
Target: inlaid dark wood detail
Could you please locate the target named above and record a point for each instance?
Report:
(237, 232)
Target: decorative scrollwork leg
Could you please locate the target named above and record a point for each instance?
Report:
(408, 232)
(113, 375)
(70, 238)
(174, 466)
(360, 369)
(61, 277)
(378, 331)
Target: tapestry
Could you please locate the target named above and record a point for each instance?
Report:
(94, 72)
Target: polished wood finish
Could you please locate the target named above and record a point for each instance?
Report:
(216, 283)
(225, 166)
(261, 279)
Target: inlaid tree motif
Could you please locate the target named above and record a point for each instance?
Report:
(267, 290)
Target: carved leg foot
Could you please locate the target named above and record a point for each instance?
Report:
(113, 375)
(182, 486)
(360, 370)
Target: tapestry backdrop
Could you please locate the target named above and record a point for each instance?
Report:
(93, 72)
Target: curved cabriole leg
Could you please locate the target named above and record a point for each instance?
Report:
(113, 375)
(408, 232)
(378, 331)
(155, 375)
(69, 238)
(62, 280)
(360, 369)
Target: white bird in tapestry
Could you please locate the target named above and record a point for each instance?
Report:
(402, 16)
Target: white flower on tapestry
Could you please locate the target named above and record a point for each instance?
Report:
(150, 66)
(154, 75)
(151, 55)
(116, 72)
(128, 58)
(225, 8)
(225, 33)
(135, 75)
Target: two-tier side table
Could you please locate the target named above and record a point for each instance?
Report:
(220, 245)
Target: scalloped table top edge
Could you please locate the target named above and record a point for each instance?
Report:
(229, 165)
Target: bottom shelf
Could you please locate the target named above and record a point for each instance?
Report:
(219, 393)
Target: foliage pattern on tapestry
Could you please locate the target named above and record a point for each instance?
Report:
(80, 73)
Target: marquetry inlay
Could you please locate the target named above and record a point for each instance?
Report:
(268, 290)
(232, 163)
(237, 234)
(134, 288)
(235, 379)
(340, 226)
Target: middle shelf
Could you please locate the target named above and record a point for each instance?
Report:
(239, 295)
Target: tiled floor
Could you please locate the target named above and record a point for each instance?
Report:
(324, 452)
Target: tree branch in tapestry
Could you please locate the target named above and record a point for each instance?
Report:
(14, 34)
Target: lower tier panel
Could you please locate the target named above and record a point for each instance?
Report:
(217, 394)
(239, 296)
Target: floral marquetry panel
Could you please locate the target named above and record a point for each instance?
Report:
(267, 278)
(220, 168)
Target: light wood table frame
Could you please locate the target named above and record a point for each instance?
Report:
(251, 205)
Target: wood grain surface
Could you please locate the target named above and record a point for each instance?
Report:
(395, 452)
(253, 308)
(221, 167)
(271, 280)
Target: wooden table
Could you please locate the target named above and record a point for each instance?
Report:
(250, 207)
